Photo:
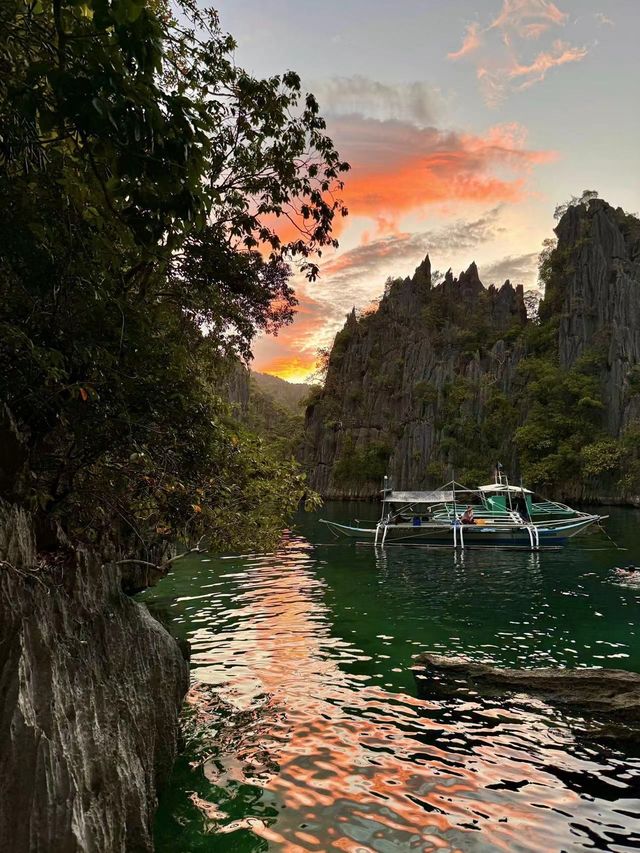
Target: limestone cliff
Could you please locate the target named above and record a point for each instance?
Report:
(90, 688)
(440, 377)
(598, 299)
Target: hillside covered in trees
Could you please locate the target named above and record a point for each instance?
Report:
(289, 395)
(271, 409)
(450, 378)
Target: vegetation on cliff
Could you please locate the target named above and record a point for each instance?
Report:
(273, 409)
(142, 176)
(566, 438)
(288, 395)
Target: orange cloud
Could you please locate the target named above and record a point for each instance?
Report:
(528, 18)
(559, 55)
(291, 227)
(496, 82)
(498, 64)
(603, 20)
(399, 168)
(470, 42)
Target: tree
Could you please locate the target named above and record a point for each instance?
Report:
(585, 198)
(142, 177)
(532, 299)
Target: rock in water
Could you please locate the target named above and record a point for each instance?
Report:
(610, 697)
(90, 689)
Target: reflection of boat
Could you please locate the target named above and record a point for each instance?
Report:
(504, 516)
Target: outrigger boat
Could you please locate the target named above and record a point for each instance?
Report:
(504, 516)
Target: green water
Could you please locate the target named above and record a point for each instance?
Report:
(303, 728)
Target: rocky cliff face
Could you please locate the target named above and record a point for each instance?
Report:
(599, 299)
(90, 688)
(430, 382)
(235, 388)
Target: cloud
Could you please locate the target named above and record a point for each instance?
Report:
(470, 42)
(409, 248)
(399, 168)
(603, 20)
(417, 102)
(560, 54)
(497, 82)
(528, 18)
(519, 269)
(502, 50)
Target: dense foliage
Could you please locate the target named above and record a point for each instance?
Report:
(275, 411)
(142, 177)
(366, 464)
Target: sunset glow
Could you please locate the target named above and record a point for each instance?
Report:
(291, 368)
(456, 119)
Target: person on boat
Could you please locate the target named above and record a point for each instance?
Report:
(520, 506)
(628, 572)
(467, 516)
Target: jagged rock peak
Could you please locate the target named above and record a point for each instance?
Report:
(406, 294)
(508, 287)
(422, 274)
(470, 275)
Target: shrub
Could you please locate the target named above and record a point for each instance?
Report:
(362, 465)
(425, 392)
(601, 457)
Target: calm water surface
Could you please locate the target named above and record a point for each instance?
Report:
(303, 728)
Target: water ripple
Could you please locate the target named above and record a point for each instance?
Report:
(304, 734)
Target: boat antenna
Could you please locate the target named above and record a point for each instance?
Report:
(453, 484)
(506, 480)
(384, 496)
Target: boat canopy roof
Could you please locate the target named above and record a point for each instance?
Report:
(500, 487)
(418, 497)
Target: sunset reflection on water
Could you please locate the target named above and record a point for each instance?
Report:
(335, 761)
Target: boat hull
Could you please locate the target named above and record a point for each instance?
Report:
(468, 536)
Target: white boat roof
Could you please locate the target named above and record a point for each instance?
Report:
(500, 487)
(418, 497)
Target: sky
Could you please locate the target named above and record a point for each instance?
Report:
(465, 124)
